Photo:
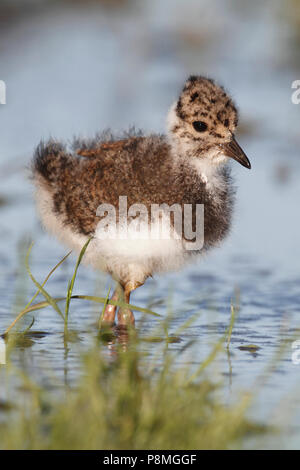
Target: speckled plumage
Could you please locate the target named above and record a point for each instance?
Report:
(135, 167)
(184, 167)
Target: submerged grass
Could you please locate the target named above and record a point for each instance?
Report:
(128, 402)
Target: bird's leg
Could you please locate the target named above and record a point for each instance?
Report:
(125, 315)
(110, 310)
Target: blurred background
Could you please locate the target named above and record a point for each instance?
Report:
(76, 67)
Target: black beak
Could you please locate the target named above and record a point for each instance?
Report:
(233, 150)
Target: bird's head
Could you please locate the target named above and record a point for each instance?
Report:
(201, 124)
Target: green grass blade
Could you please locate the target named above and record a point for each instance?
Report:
(187, 324)
(103, 310)
(71, 283)
(29, 326)
(232, 320)
(218, 346)
(47, 296)
(27, 308)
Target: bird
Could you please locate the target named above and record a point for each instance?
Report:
(78, 186)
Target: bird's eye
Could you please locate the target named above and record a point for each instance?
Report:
(199, 126)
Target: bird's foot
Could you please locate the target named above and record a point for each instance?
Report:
(110, 310)
(125, 317)
(109, 315)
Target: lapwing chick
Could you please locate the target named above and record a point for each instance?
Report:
(151, 203)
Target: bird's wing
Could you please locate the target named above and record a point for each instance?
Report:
(104, 147)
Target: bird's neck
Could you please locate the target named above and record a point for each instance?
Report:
(209, 172)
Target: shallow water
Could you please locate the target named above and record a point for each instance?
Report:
(75, 71)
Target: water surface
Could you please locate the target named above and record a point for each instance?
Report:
(78, 70)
